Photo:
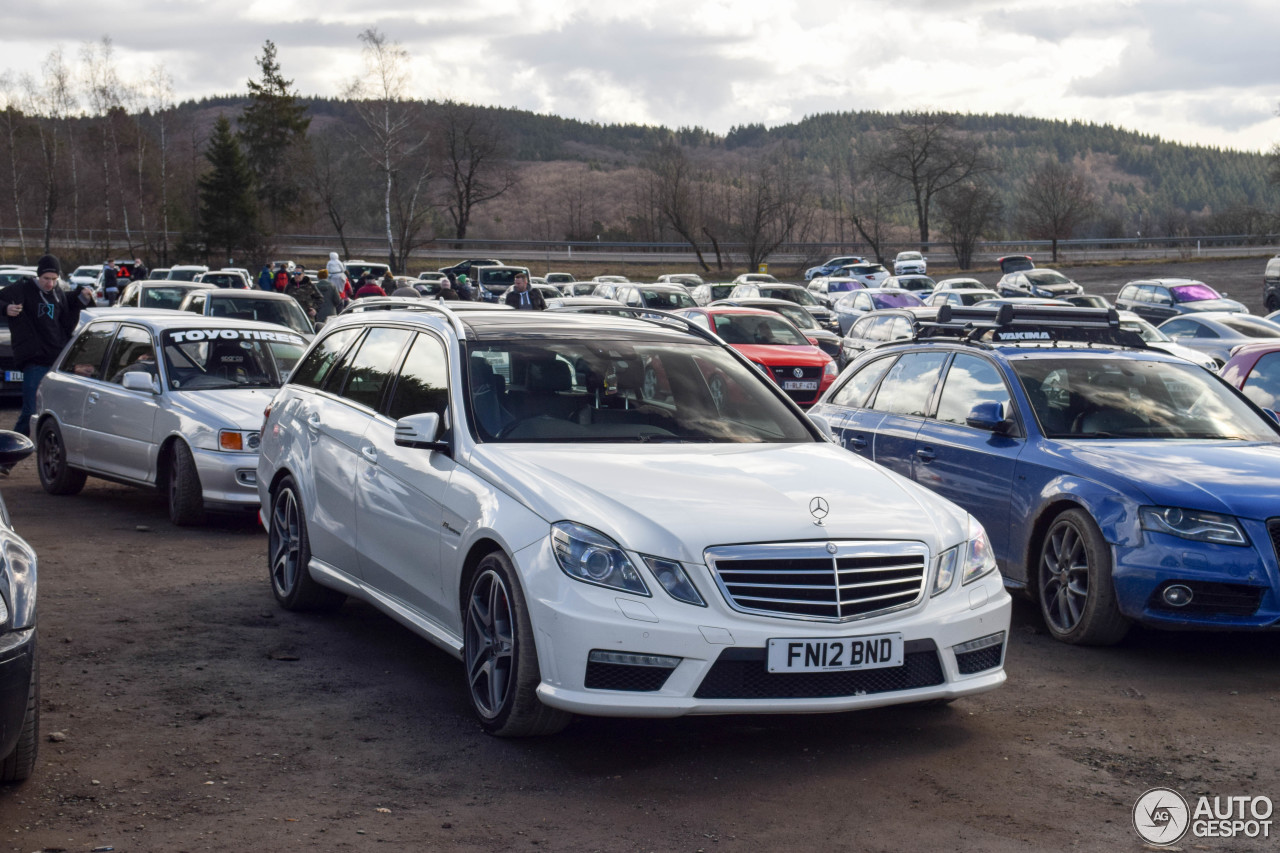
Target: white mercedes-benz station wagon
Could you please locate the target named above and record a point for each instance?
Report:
(615, 516)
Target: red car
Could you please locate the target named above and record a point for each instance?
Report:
(773, 342)
(1255, 370)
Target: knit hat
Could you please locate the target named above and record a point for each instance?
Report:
(323, 273)
(48, 263)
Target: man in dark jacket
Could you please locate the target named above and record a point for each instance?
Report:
(41, 320)
(520, 296)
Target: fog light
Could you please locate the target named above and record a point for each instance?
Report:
(980, 643)
(247, 477)
(1177, 595)
(630, 659)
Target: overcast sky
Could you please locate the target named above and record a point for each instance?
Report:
(1202, 71)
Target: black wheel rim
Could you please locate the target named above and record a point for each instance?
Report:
(490, 644)
(1064, 577)
(50, 455)
(284, 544)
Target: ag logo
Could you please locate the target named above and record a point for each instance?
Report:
(818, 508)
(1161, 816)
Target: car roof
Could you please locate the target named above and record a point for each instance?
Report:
(1165, 282)
(269, 295)
(163, 319)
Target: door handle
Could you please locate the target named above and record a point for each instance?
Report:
(858, 443)
(926, 454)
(370, 453)
(93, 396)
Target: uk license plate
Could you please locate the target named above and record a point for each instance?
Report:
(13, 376)
(877, 651)
(799, 385)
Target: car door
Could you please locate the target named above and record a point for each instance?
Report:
(400, 515)
(119, 435)
(904, 398)
(852, 424)
(79, 373)
(1158, 303)
(972, 467)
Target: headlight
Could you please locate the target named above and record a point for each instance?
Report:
(238, 440)
(1194, 525)
(830, 369)
(974, 558)
(590, 556)
(674, 580)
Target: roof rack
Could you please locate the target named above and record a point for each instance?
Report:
(1010, 323)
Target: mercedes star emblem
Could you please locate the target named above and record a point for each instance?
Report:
(818, 508)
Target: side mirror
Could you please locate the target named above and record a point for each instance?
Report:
(140, 380)
(824, 427)
(14, 447)
(421, 431)
(1271, 413)
(990, 417)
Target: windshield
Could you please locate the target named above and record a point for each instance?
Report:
(1044, 277)
(905, 299)
(667, 300)
(910, 256)
(1146, 331)
(205, 359)
(282, 312)
(188, 274)
(839, 285)
(1129, 398)
(757, 329)
(798, 295)
(1193, 293)
(797, 315)
(581, 391)
(162, 297)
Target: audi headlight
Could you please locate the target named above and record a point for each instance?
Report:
(590, 556)
(238, 440)
(1194, 525)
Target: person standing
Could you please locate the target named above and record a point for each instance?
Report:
(110, 284)
(465, 292)
(281, 281)
(304, 293)
(368, 287)
(520, 296)
(140, 271)
(330, 301)
(41, 320)
(266, 281)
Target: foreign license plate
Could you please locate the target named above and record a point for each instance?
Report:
(13, 376)
(799, 385)
(877, 651)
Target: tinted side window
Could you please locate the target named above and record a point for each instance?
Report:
(132, 351)
(373, 364)
(85, 355)
(855, 391)
(1179, 327)
(423, 384)
(971, 380)
(907, 387)
(315, 368)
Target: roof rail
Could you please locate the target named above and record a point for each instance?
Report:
(1010, 323)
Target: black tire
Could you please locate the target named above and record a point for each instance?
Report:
(500, 655)
(289, 554)
(19, 764)
(57, 477)
(186, 497)
(1077, 597)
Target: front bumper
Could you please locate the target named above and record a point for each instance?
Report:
(229, 481)
(17, 659)
(721, 652)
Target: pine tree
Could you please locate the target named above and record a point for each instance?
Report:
(273, 131)
(228, 214)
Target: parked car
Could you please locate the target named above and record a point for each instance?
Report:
(824, 339)
(959, 283)
(85, 276)
(830, 266)
(560, 278)
(959, 296)
(1117, 484)
(1217, 333)
(432, 275)
(880, 327)
(1015, 263)
(589, 304)
(10, 376)
(800, 368)
(705, 294)
(755, 278)
(261, 305)
(909, 263)
(1156, 339)
(1271, 284)
(158, 273)
(1255, 369)
(186, 272)
(871, 275)
(829, 288)
(688, 279)
(151, 293)
(491, 282)
(1158, 299)
(1041, 283)
(668, 297)
(163, 400)
(1087, 300)
(790, 292)
(19, 669)
(576, 288)
(231, 279)
(472, 462)
(467, 267)
(920, 285)
(851, 306)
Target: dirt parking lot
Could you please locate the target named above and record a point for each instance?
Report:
(183, 711)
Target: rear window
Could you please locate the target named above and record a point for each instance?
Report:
(1043, 277)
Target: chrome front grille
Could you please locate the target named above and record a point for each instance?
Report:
(823, 581)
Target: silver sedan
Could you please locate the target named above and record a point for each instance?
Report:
(1216, 333)
(163, 399)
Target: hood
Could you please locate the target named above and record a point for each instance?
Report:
(234, 408)
(1229, 305)
(676, 500)
(1232, 477)
(781, 354)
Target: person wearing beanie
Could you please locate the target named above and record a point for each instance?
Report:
(41, 319)
(330, 301)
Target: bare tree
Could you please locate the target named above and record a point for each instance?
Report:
(677, 191)
(396, 135)
(13, 119)
(968, 212)
(872, 202)
(102, 85)
(773, 205)
(926, 155)
(335, 179)
(1053, 201)
(476, 167)
(159, 94)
